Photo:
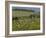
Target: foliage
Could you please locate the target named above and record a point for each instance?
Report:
(22, 20)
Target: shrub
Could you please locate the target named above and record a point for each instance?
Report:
(15, 18)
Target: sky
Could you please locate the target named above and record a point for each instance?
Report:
(28, 8)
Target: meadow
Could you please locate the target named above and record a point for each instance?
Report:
(25, 20)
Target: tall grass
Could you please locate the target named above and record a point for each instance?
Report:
(24, 21)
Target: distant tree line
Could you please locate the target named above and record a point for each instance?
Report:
(23, 10)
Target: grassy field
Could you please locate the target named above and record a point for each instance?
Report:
(25, 20)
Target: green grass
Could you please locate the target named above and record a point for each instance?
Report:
(24, 22)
